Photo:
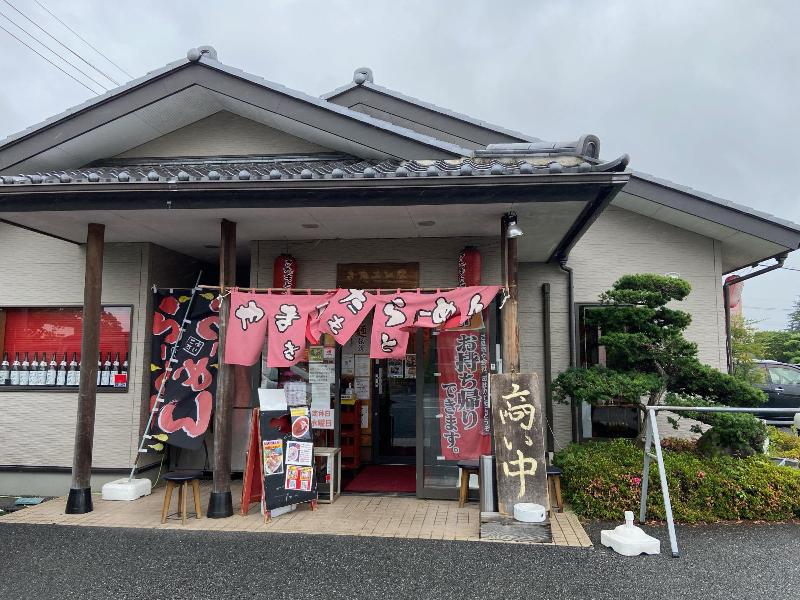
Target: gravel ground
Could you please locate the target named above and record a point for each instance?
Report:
(729, 561)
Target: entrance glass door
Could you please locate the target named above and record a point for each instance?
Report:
(395, 394)
(452, 414)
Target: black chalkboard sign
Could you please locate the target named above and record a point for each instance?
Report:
(287, 456)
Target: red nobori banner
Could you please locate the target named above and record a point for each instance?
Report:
(465, 424)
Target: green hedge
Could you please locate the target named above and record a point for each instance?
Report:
(601, 480)
(784, 444)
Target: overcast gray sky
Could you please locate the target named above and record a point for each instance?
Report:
(704, 93)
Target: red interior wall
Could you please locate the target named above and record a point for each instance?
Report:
(59, 330)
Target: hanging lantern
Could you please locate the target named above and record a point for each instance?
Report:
(469, 266)
(284, 272)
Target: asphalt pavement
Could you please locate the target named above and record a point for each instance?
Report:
(724, 561)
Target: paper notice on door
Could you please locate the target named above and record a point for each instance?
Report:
(365, 417)
(317, 373)
(362, 388)
(362, 365)
(320, 396)
(271, 399)
(348, 364)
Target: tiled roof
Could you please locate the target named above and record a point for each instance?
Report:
(309, 167)
(207, 57)
(363, 78)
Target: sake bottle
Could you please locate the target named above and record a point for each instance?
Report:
(5, 370)
(99, 368)
(74, 372)
(105, 379)
(52, 370)
(15, 370)
(115, 366)
(42, 378)
(24, 371)
(33, 373)
(61, 375)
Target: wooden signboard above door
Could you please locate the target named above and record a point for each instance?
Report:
(386, 276)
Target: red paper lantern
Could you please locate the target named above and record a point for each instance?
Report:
(469, 267)
(284, 272)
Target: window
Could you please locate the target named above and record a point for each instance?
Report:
(41, 347)
(601, 421)
(783, 375)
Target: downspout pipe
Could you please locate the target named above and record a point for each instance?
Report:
(562, 263)
(726, 294)
(548, 365)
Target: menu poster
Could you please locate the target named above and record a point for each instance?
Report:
(396, 368)
(299, 453)
(301, 423)
(329, 354)
(299, 478)
(289, 483)
(315, 354)
(411, 366)
(272, 453)
(348, 364)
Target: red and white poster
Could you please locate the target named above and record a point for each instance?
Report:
(465, 425)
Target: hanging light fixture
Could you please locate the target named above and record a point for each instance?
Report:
(513, 230)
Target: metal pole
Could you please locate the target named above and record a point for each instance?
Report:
(79, 500)
(648, 442)
(662, 473)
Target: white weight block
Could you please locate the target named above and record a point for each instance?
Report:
(124, 489)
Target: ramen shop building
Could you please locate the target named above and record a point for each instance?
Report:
(201, 167)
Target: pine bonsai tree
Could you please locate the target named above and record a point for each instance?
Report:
(647, 355)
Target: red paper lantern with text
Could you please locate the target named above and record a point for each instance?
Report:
(469, 266)
(284, 272)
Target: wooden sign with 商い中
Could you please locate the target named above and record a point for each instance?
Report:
(517, 420)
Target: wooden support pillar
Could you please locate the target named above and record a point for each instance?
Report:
(510, 324)
(220, 503)
(79, 500)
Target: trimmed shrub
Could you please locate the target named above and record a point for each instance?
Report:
(783, 444)
(601, 480)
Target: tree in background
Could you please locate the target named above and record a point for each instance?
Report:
(647, 354)
(746, 348)
(794, 317)
(783, 346)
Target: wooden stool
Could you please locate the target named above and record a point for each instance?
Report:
(181, 480)
(468, 467)
(554, 483)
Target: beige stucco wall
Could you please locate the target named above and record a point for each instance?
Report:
(317, 260)
(37, 428)
(622, 242)
(223, 134)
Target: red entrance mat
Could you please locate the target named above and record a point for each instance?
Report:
(385, 478)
